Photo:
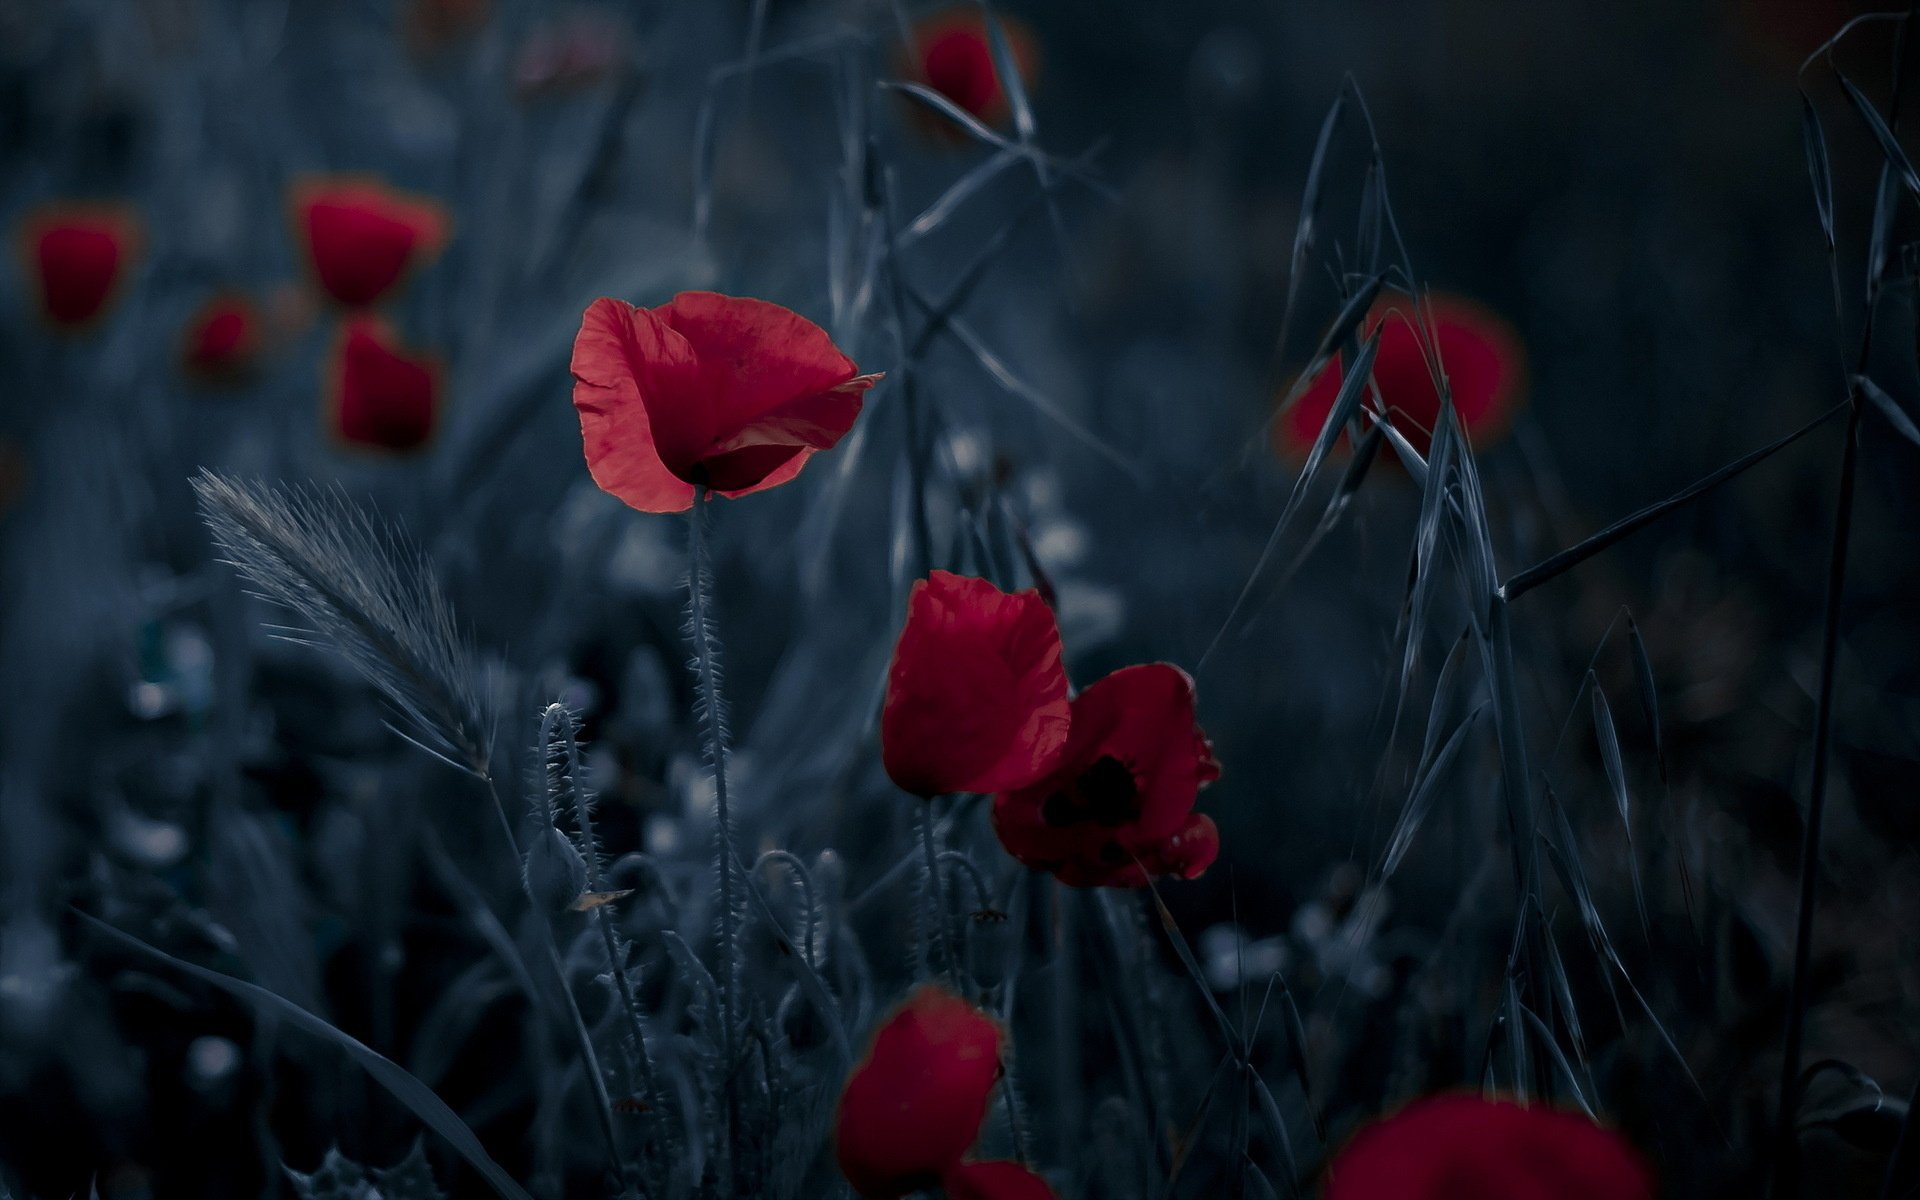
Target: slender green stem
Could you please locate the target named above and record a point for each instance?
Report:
(936, 894)
(706, 668)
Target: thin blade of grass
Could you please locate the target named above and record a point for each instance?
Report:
(397, 1080)
(1616, 771)
(1819, 166)
(1889, 408)
(1420, 800)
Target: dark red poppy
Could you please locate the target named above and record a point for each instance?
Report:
(953, 55)
(712, 389)
(1485, 365)
(976, 696)
(996, 1180)
(384, 397)
(1117, 809)
(77, 256)
(915, 1103)
(1469, 1148)
(363, 236)
(221, 340)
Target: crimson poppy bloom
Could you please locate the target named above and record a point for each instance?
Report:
(976, 696)
(915, 1103)
(996, 1180)
(77, 256)
(1486, 370)
(384, 397)
(953, 55)
(1117, 809)
(362, 236)
(1464, 1147)
(731, 393)
(221, 340)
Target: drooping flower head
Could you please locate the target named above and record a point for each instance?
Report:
(362, 236)
(76, 256)
(1484, 361)
(976, 695)
(1462, 1147)
(221, 340)
(731, 393)
(914, 1104)
(385, 397)
(953, 55)
(1117, 808)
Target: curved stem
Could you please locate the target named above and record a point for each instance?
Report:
(706, 669)
(936, 892)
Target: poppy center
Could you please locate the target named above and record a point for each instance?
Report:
(1105, 794)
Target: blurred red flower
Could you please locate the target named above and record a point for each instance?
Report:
(996, 1180)
(575, 52)
(1485, 364)
(221, 340)
(1464, 1147)
(77, 255)
(729, 392)
(914, 1104)
(362, 236)
(1123, 790)
(953, 55)
(384, 398)
(976, 696)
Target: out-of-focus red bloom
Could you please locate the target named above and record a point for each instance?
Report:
(362, 236)
(1485, 364)
(915, 1103)
(728, 392)
(976, 696)
(577, 51)
(384, 397)
(953, 55)
(1117, 809)
(221, 340)
(996, 1180)
(432, 24)
(1470, 1148)
(77, 256)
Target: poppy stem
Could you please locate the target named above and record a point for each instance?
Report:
(935, 895)
(706, 670)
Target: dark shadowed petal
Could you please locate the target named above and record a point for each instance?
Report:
(976, 694)
(362, 237)
(912, 1107)
(757, 357)
(77, 255)
(1118, 806)
(996, 1180)
(220, 341)
(1469, 1148)
(384, 398)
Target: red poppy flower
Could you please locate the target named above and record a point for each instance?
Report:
(1470, 1148)
(1485, 365)
(1117, 809)
(384, 398)
(221, 340)
(915, 1103)
(953, 55)
(976, 696)
(362, 236)
(712, 389)
(996, 1180)
(77, 256)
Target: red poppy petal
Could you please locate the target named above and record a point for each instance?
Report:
(77, 255)
(221, 339)
(1118, 805)
(915, 1103)
(958, 63)
(618, 347)
(1454, 1147)
(996, 1180)
(976, 694)
(361, 237)
(756, 357)
(384, 398)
